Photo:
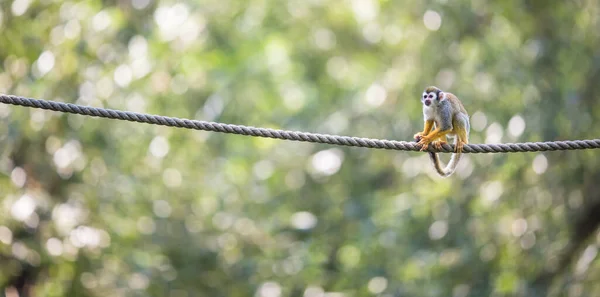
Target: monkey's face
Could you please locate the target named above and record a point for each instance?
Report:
(429, 97)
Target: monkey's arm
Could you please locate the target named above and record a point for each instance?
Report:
(426, 130)
(435, 134)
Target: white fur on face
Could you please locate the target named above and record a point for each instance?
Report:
(430, 95)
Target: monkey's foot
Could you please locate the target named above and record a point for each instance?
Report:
(459, 147)
(438, 144)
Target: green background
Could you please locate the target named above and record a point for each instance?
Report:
(97, 207)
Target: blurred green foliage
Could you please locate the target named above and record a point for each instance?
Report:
(94, 207)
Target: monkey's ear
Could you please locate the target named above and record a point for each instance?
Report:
(442, 96)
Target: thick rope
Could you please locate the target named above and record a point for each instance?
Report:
(294, 135)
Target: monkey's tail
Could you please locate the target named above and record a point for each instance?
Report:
(450, 167)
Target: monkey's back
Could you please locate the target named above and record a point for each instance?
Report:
(456, 104)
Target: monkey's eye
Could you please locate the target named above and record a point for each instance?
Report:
(430, 96)
(424, 96)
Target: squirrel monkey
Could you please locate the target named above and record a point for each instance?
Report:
(451, 119)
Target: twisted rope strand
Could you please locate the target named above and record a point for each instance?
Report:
(293, 135)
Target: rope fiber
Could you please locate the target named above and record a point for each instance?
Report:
(294, 135)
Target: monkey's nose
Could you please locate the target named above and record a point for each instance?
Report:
(427, 102)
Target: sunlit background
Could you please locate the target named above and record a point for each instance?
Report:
(97, 207)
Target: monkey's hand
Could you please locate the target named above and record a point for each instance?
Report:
(418, 136)
(424, 142)
(438, 144)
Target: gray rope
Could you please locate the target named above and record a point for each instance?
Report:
(294, 135)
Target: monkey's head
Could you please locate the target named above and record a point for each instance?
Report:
(431, 94)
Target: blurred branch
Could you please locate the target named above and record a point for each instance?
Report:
(587, 221)
(585, 225)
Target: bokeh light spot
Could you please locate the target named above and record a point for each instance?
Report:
(432, 20)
